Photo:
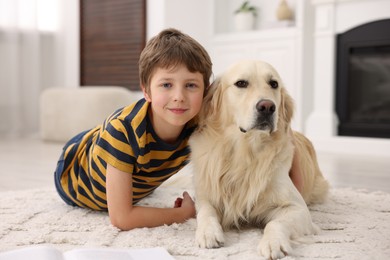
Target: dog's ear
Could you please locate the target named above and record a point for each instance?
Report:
(287, 106)
(211, 102)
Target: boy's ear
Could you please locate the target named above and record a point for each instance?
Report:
(146, 95)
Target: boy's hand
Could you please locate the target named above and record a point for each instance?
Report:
(186, 203)
(178, 202)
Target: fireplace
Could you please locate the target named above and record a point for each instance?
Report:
(323, 124)
(363, 80)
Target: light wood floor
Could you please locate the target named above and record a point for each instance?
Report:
(30, 163)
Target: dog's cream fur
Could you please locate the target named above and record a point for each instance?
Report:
(242, 160)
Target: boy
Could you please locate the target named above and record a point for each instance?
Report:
(116, 164)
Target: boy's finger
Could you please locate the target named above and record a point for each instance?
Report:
(185, 194)
(178, 202)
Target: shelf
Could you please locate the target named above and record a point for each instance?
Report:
(265, 34)
(265, 20)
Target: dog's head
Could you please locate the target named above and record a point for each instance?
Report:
(250, 95)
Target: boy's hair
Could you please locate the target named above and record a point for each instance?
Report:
(171, 48)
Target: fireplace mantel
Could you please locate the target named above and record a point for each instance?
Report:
(333, 17)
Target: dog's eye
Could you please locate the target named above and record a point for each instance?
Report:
(273, 83)
(241, 84)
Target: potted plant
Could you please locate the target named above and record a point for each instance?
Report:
(244, 17)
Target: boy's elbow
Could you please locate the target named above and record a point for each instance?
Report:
(118, 224)
(121, 222)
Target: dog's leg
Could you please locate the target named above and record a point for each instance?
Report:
(275, 242)
(290, 219)
(209, 233)
(286, 223)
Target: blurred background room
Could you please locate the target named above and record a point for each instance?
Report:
(66, 64)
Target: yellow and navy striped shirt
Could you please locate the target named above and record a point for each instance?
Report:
(126, 140)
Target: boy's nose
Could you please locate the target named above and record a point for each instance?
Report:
(179, 95)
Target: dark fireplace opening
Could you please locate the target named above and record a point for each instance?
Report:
(363, 80)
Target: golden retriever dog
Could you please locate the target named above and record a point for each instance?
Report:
(242, 152)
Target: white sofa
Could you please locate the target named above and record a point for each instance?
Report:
(65, 112)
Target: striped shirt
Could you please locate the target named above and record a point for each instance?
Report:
(126, 140)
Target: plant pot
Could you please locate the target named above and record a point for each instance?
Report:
(244, 21)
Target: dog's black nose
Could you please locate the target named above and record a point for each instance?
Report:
(266, 107)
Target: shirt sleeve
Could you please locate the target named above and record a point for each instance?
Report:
(115, 148)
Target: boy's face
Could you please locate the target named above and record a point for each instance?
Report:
(176, 96)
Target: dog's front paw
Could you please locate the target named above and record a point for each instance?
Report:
(209, 234)
(274, 248)
(275, 242)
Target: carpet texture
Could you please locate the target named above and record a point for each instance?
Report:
(355, 225)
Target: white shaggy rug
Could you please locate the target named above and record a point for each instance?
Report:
(355, 225)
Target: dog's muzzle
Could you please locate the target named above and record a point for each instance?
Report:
(265, 107)
(265, 119)
(265, 116)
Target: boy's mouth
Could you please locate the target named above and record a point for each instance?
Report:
(178, 110)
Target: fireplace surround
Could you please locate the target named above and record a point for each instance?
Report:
(333, 17)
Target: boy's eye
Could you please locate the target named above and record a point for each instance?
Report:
(166, 85)
(191, 85)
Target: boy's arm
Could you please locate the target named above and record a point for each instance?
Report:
(125, 216)
(295, 171)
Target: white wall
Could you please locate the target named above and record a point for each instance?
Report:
(190, 16)
(70, 42)
(66, 70)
